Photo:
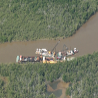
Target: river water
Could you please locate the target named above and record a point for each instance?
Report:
(85, 40)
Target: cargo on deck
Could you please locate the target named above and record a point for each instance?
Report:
(28, 58)
(46, 56)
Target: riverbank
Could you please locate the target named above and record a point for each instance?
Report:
(45, 19)
(85, 40)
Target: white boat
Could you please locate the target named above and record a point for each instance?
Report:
(41, 51)
(44, 52)
(75, 50)
(70, 52)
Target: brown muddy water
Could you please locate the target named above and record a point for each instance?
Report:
(58, 88)
(85, 40)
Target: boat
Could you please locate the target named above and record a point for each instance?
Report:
(44, 52)
(75, 50)
(21, 58)
(46, 56)
(70, 52)
(51, 61)
(41, 51)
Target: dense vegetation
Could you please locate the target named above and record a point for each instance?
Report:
(30, 80)
(35, 19)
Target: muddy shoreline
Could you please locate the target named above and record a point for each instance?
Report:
(58, 88)
(85, 40)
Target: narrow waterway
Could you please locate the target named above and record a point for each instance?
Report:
(85, 40)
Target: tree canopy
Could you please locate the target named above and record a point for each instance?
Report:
(38, 19)
(30, 80)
